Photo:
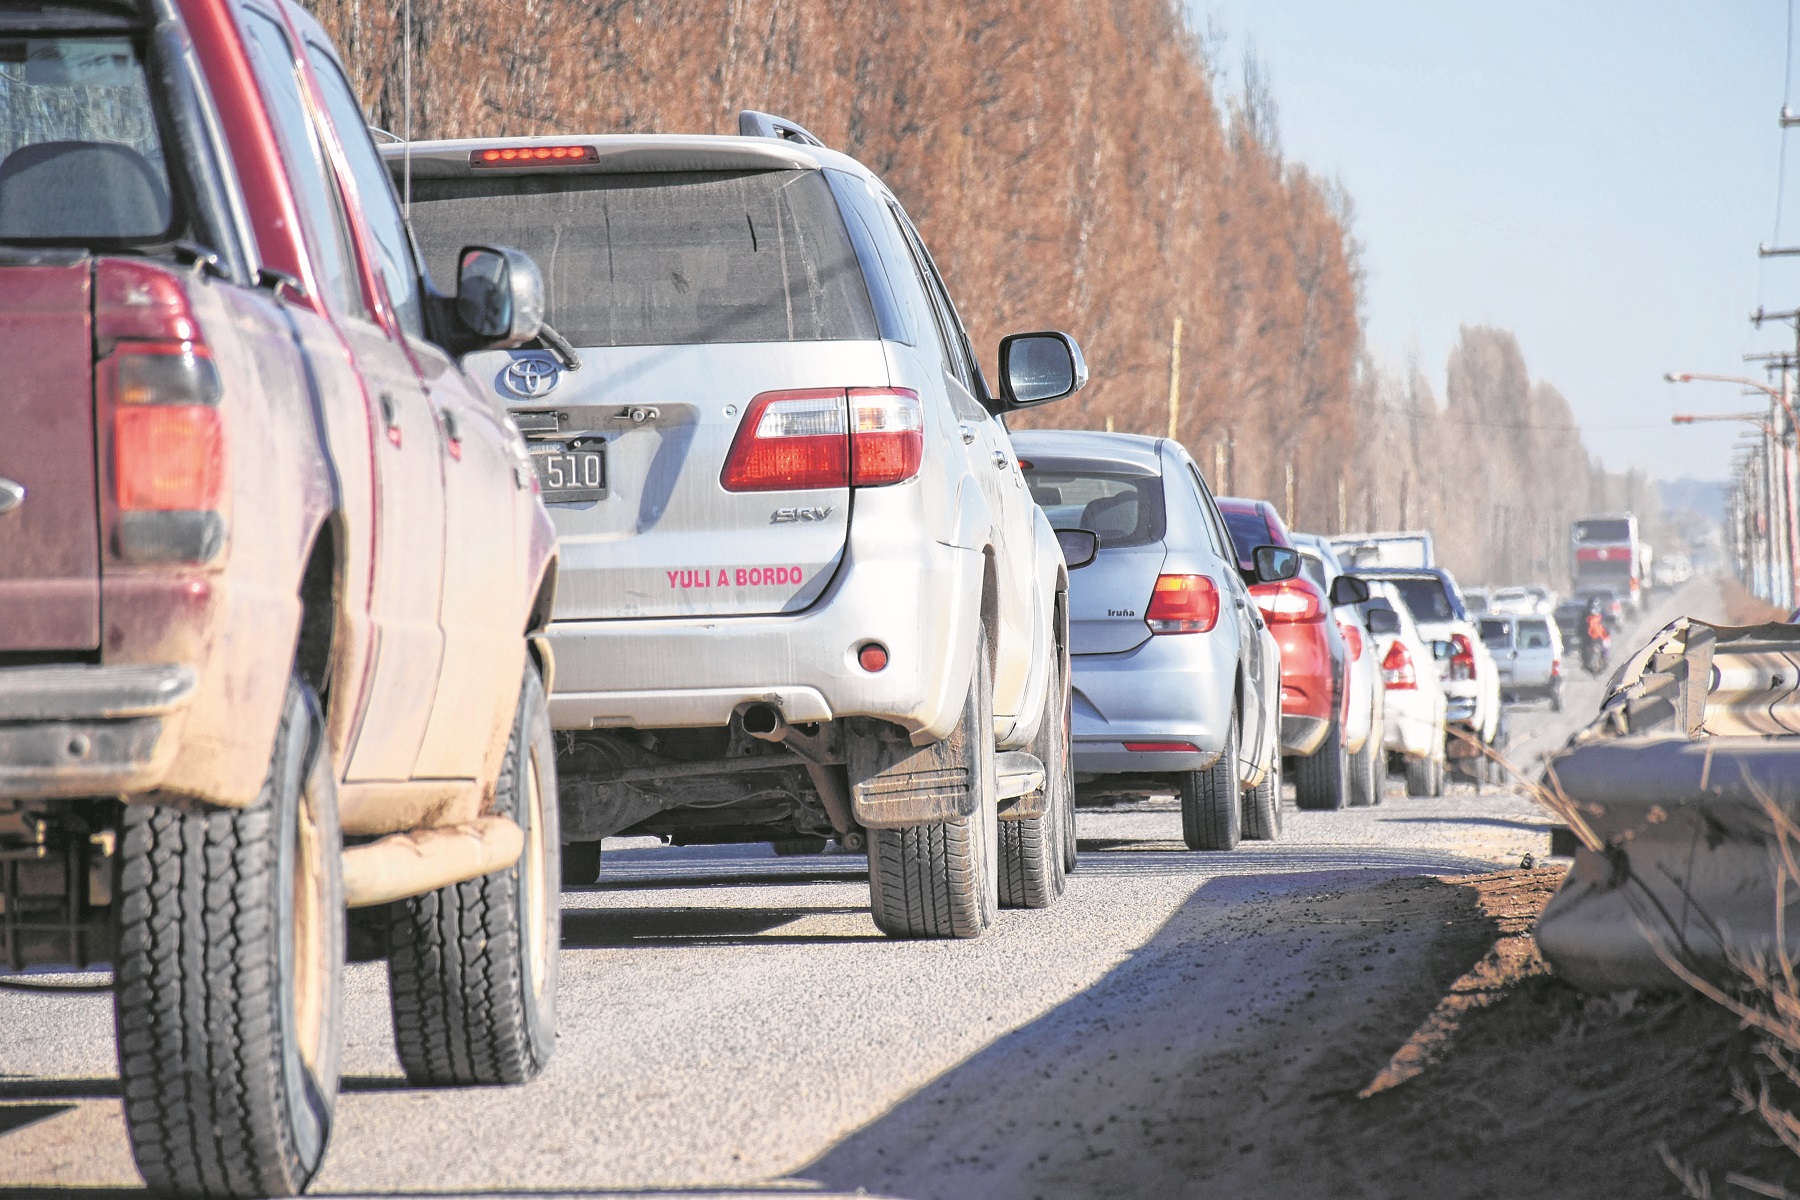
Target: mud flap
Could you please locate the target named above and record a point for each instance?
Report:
(895, 784)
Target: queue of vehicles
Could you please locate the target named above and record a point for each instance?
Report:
(690, 513)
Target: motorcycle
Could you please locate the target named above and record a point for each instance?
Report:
(1594, 656)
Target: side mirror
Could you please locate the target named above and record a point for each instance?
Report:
(1348, 589)
(1275, 563)
(1443, 651)
(1383, 620)
(1036, 368)
(499, 295)
(1079, 546)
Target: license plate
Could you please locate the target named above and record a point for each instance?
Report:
(569, 472)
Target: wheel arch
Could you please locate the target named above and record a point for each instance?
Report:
(321, 603)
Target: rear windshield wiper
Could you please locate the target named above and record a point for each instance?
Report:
(559, 346)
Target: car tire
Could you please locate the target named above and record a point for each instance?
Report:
(1262, 807)
(1365, 765)
(1322, 778)
(473, 967)
(228, 997)
(941, 879)
(799, 847)
(1421, 777)
(1440, 778)
(580, 864)
(1556, 699)
(1212, 800)
(1032, 865)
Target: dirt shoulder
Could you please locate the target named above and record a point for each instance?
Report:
(1395, 1039)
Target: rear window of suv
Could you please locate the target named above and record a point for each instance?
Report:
(670, 258)
(1124, 510)
(80, 156)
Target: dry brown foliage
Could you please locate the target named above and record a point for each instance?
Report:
(1074, 165)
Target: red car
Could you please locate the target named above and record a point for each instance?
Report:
(273, 586)
(1314, 661)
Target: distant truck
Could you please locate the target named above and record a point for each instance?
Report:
(1358, 550)
(1606, 553)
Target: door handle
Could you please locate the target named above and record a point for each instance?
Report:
(451, 435)
(12, 494)
(1000, 459)
(390, 416)
(968, 433)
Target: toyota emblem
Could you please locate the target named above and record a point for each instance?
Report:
(530, 377)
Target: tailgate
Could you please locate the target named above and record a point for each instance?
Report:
(664, 538)
(1107, 599)
(49, 514)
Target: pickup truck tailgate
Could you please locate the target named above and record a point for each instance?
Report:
(49, 510)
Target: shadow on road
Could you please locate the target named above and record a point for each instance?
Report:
(635, 928)
(1544, 826)
(1196, 1067)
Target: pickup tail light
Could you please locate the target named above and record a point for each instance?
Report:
(1397, 670)
(1183, 604)
(159, 392)
(1291, 601)
(1462, 662)
(168, 457)
(826, 438)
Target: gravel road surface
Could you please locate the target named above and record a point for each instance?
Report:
(731, 1021)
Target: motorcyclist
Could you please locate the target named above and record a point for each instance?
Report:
(1596, 639)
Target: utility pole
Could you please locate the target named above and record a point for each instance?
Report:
(1175, 383)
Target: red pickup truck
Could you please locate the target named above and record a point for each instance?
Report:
(272, 577)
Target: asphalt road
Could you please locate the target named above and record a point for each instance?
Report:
(731, 1021)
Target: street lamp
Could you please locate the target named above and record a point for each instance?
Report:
(1789, 536)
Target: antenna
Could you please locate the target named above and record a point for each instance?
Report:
(406, 102)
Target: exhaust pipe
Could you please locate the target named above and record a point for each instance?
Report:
(765, 722)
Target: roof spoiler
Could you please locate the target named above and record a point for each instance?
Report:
(761, 124)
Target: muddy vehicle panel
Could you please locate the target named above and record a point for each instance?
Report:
(280, 575)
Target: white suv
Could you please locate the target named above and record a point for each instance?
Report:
(805, 592)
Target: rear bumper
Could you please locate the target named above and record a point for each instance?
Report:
(1170, 688)
(68, 731)
(1302, 735)
(921, 603)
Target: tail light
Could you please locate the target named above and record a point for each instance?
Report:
(531, 156)
(1289, 602)
(1162, 747)
(887, 435)
(1462, 663)
(168, 457)
(826, 438)
(1183, 604)
(1397, 671)
(159, 392)
(1352, 639)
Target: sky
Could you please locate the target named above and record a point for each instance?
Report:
(1594, 176)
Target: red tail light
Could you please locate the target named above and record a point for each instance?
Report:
(789, 441)
(1352, 639)
(1462, 663)
(157, 376)
(1397, 670)
(168, 457)
(887, 435)
(1183, 604)
(826, 438)
(1290, 601)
